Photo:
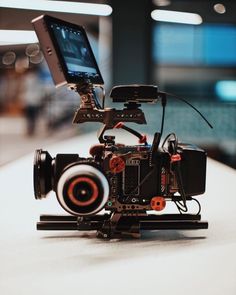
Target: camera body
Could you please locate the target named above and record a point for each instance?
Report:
(119, 178)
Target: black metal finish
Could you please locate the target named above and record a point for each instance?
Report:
(109, 117)
(60, 225)
(58, 218)
(170, 224)
(115, 226)
(136, 93)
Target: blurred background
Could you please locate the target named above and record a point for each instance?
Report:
(186, 47)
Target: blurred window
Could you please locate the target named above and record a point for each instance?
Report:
(205, 45)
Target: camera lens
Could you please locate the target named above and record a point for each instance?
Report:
(82, 190)
(42, 174)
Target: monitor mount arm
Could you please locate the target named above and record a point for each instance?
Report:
(88, 112)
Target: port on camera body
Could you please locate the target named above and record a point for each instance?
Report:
(127, 181)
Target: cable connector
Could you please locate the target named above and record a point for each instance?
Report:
(143, 139)
(163, 97)
(119, 125)
(175, 158)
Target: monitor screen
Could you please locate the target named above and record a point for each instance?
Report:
(67, 49)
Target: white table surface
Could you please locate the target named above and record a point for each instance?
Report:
(161, 262)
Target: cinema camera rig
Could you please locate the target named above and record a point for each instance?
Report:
(126, 181)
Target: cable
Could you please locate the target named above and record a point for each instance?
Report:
(189, 104)
(175, 140)
(176, 168)
(180, 182)
(199, 206)
(182, 208)
(163, 117)
(142, 137)
(103, 96)
(96, 102)
(142, 182)
(163, 103)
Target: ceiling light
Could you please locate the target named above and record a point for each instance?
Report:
(8, 37)
(161, 2)
(9, 58)
(36, 59)
(59, 6)
(219, 8)
(226, 90)
(176, 17)
(32, 50)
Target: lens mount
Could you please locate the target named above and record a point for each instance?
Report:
(82, 190)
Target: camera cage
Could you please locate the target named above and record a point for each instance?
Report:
(90, 109)
(115, 224)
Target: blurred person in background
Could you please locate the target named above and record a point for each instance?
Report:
(10, 88)
(32, 97)
(2, 91)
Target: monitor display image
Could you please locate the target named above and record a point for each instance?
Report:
(75, 52)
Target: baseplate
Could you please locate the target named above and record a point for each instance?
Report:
(118, 225)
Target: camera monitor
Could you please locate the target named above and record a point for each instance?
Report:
(67, 51)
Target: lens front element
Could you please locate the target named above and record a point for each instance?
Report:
(82, 190)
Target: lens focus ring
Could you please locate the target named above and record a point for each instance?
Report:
(82, 190)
